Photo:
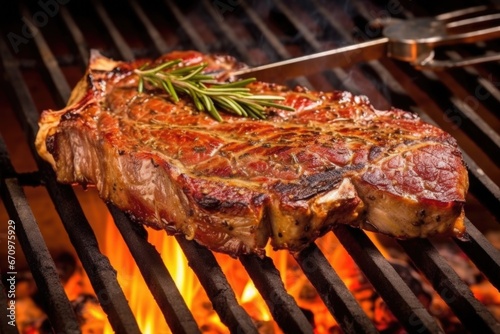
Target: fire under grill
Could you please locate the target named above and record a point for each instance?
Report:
(464, 102)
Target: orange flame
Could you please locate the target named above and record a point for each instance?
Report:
(250, 297)
(146, 310)
(148, 315)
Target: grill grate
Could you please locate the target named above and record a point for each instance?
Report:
(257, 33)
(43, 267)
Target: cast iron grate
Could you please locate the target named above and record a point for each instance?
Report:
(286, 30)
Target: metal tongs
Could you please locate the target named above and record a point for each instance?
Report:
(411, 40)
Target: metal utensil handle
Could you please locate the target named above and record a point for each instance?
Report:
(429, 63)
(415, 40)
(470, 35)
(469, 30)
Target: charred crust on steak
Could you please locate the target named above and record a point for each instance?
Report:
(259, 199)
(374, 152)
(70, 116)
(312, 185)
(213, 204)
(50, 143)
(153, 162)
(210, 203)
(199, 149)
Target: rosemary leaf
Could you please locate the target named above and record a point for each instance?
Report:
(207, 102)
(196, 100)
(161, 67)
(140, 88)
(266, 97)
(208, 95)
(228, 105)
(255, 113)
(167, 85)
(233, 105)
(276, 105)
(205, 78)
(193, 73)
(187, 69)
(240, 83)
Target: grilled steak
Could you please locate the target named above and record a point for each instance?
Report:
(233, 185)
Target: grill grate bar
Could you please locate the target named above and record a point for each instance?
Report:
(337, 77)
(385, 79)
(76, 36)
(307, 35)
(474, 316)
(117, 38)
(454, 99)
(283, 307)
(332, 21)
(482, 253)
(213, 280)
(228, 32)
(6, 168)
(56, 75)
(156, 275)
(272, 39)
(153, 33)
(31, 179)
(401, 300)
(187, 27)
(477, 128)
(101, 274)
(59, 309)
(124, 50)
(58, 81)
(333, 291)
(42, 266)
(28, 120)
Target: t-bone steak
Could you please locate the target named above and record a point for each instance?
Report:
(234, 185)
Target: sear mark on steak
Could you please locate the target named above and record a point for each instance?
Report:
(235, 185)
(312, 185)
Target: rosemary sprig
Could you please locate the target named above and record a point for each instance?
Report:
(206, 93)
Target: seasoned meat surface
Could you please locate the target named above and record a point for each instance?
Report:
(234, 185)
